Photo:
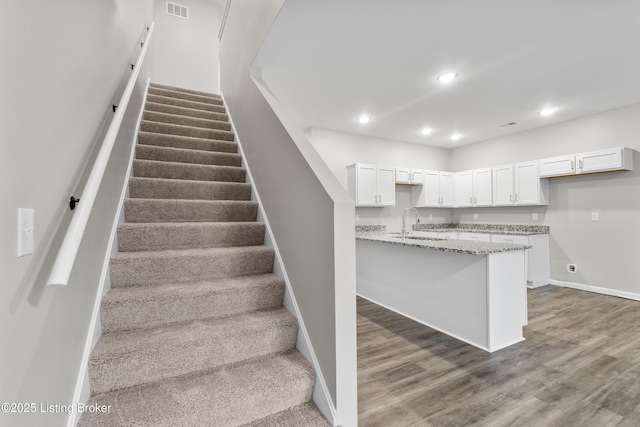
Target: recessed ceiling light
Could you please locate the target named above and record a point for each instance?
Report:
(364, 119)
(426, 131)
(447, 77)
(456, 137)
(548, 111)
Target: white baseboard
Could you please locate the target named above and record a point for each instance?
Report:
(596, 289)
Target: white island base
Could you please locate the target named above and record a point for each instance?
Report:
(478, 299)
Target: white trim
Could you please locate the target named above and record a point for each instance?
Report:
(93, 334)
(66, 257)
(321, 395)
(596, 289)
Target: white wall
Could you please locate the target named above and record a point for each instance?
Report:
(62, 62)
(605, 252)
(186, 53)
(339, 149)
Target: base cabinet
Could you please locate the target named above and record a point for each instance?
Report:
(538, 269)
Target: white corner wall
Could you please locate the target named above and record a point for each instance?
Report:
(605, 251)
(186, 50)
(339, 149)
(63, 62)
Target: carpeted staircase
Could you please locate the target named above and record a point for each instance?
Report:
(194, 331)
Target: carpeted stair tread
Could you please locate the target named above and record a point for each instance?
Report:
(126, 359)
(230, 396)
(189, 265)
(181, 155)
(158, 99)
(176, 119)
(140, 307)
(176, 210)
(188, 171)
(180, 89)
(181, 111)
(197, 132)
(133, 237)
(160, 188)
(188, 96)
(306, 415)
(188, 142)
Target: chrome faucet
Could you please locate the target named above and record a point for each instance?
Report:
(404, 228)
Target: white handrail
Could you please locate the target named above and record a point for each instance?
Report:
(66, 257)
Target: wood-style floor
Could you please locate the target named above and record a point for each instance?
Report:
(579, 366)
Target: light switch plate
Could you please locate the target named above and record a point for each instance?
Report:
(595, 216)
(475, 216)
(25, 231)
(535, 216)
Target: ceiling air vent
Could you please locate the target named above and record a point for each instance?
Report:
(177, 10)
(508, 124)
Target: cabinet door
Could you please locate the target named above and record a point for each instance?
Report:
(448, 235)
(508, 238)
(386, 186)
(482, 191)
(366, 194)
(527, 184)
(503, 185)
(557, 166)
(598, 161)
(417, 176)
(403, 175)
(431, 191)
(463, 189)
(446, 189)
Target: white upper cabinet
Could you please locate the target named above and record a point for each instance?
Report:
(612, 159)
(409, 176)
(482, 188)
(372, 185)
(605, 160)
(437, 190)
(558, 166)
(518, 185)
(463, 189)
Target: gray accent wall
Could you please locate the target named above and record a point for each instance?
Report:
(63, 62)
(606, 251)
(310, 214)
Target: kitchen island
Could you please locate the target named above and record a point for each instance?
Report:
(472, 291)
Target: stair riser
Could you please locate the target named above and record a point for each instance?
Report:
(181, 89)
(186, 171)
(230, 396)
(195, 132)
(186, 104)
(170, 307)
(189, 268)
(185, 96)
(161, 353)
(188, 112)
(149, 210)
(185, 121)
(189, 143)
(149, 152)
(158, 237)
(148, 188)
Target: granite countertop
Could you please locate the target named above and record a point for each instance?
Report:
(378, 234)
(513, 229)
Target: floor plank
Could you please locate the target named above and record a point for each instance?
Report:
(579, 366)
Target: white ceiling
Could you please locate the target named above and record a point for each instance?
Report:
(330, 61)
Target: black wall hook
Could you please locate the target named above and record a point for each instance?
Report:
(72, 202)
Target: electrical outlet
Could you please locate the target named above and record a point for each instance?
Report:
(535, 216)
(475, 216)
(357, 217)
(572, 268)
(25, 231)
(430, 216)
(595, 216)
